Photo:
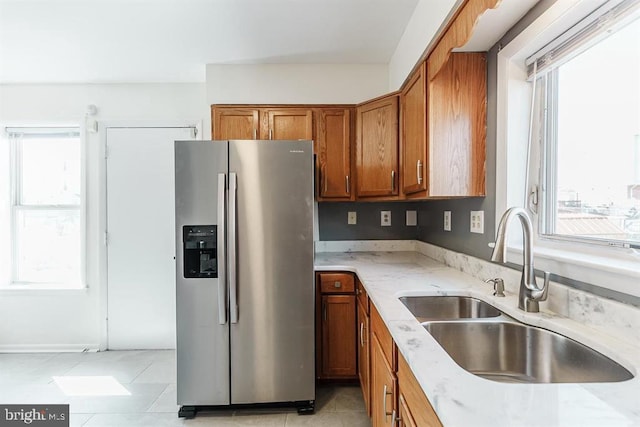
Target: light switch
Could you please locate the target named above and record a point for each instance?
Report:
(447, 220)
(352, 218)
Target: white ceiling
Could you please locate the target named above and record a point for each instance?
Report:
(60, 41)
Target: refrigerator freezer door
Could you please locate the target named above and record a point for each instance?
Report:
(202, 341)
(272, 344)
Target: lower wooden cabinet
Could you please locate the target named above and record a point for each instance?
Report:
(405, 418)
(353, 343)
(383, 387)
(336, 330)
(363, 349)
(338, 336)
(417, 410)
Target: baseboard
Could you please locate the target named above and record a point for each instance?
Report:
(48, 348)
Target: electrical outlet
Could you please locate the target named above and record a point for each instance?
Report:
(385, 218)
(447, 220)
(352, 218)
(477, 222)
(412, 218)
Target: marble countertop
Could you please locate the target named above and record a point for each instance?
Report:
(463, 399)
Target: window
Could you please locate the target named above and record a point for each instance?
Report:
(576, 57)
(589, 98)
(46, 207)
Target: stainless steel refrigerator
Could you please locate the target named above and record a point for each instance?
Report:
(244, 274)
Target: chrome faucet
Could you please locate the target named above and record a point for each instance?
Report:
(530, 294)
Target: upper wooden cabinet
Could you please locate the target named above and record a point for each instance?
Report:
(232, 123)
(289, 124)
(457, 126)
(377, 148)
(333, 149)
(261, 122)
(413, 113)
(458, 33)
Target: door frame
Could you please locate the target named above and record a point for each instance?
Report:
(102, 257)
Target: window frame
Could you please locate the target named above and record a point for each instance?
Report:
(615, 269)
(17, 206)
(548, 97)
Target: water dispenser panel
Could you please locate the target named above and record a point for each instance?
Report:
(200, 251)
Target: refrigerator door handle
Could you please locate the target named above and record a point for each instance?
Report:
(222, 279)
(231, 247)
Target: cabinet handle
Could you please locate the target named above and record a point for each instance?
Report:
(393, 181)
(324, 177)
(324, 311)
(337, 285)
(395, 418)
(348, 184)
(361, 334)
(384, 402)
(270, 133)
(255, 133)
(419, 171)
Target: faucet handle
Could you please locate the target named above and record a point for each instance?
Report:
(498, 286)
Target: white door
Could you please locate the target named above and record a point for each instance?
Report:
(141, 290)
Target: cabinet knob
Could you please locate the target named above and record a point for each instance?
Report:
(337, 284)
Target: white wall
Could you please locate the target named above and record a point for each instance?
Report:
(71, 319)
(422, 27)
(295, 83)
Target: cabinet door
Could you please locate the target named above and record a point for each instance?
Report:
(232, 123)
(383, 387)
(339, 336)
(289, 124)
(412, 396)
(334, 153)
(377, 148)
(405, 420)
(363, 355)
(457, 126)
(414, 133)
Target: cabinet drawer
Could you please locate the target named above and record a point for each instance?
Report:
(362, 296)
(336, 283)
(381, 332)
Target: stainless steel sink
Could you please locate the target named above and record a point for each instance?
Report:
(426, 308)
(513, 352)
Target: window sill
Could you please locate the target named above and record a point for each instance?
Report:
(42, 289)
(617, 269)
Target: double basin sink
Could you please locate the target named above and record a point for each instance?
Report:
(490, 344)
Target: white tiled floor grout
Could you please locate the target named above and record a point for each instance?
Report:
(150, 378)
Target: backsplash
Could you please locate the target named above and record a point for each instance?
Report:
(332, 221)
(601, 314)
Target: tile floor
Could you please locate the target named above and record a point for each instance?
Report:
(149, 385)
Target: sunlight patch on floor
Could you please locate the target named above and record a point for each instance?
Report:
(91, 386)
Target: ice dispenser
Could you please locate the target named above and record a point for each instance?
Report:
(200, 251)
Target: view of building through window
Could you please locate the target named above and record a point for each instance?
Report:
(597, 192)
